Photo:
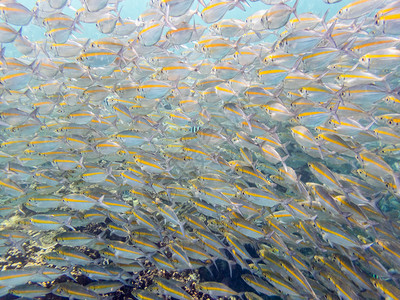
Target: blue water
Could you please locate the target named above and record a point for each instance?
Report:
(133, 8)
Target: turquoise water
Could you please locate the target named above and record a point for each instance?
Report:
(256, 160)
(133, 8)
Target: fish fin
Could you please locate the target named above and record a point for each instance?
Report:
(166, 19)
(68, 224)
(33, 115)
(328, 33)
(2, 52)
(294, 10)
(355, 66)
(239, 5)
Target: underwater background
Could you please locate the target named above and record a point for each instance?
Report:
(191, 149)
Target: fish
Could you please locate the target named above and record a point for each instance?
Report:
(29, 290)
(357, 9)
(251, 142)
(16, 14)
(216, 289)
(17, 277)
(74, 290)
(216, 10)
(278, 15)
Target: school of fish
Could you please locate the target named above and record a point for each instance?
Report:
(184, 138)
